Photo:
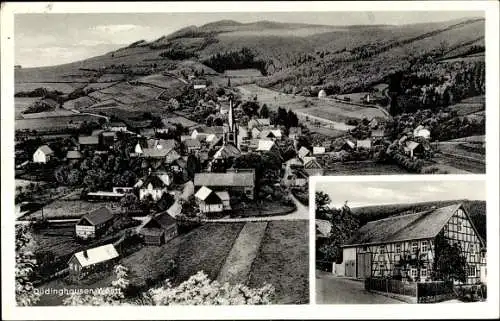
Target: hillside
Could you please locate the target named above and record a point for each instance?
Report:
(347, 57)
(476, 210)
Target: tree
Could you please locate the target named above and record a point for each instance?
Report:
(25, 267)
(156, 122)
(449, 263)
(322, 202)
(61, 174)
(250, 108)
(264, 111)
(192, 165)
(74, 177)
(129, 201)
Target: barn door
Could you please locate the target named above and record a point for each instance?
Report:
(350, 268)
(364, 266)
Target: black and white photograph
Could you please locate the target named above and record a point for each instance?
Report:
(175, 154)
(394, 242)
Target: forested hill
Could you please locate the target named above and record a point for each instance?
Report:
(292, 56)
(476, 210)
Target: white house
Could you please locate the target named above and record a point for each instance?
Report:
(319, 150)
(420, 131)
(117, 127)
(85, 262)
(43, 154)
(208, 201)
(303, 152)
(155, 185)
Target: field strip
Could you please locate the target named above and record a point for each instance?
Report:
(239, 261)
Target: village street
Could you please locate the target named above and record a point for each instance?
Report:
(336, 290)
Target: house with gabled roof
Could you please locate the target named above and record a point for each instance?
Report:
(192, 145)
(210, 201)
(319, 150)
(387, 247)
(413, 149)
(86, 262)
(312, 167)
(158, 229)
(73, 156)
(364, 144)
(266, 145)
(155, 185)
(240, 181)
(274, 134)
(259, 122)
(303, 152)
(43, 154)
(94, 224)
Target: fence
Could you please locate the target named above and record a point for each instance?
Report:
(434, 292)
(425, 292)
(391, 286)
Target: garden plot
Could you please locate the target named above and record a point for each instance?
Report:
(69, 209)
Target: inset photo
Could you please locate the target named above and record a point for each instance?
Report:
(393, 241)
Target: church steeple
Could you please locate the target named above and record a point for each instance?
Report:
(231, 136)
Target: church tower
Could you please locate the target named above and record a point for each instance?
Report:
(231, 136)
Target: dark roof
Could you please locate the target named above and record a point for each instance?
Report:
(117, 124)
(163, 219)
(421, 225)
(210, 130)
(98, 216)
(155, 180)
(246, 179)
(192, 143)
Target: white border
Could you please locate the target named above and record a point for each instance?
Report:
(9, 311)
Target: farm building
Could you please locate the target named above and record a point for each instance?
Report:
(154, 143)
(348, 145)
(104, 196)
(108, 138)
(303, 152)
(154, 185)
(88, 141)
(296, 179)
(294, 132)
(117, 127)
(227, 151)
(373, 123)
(414, 149)
(240, 181)
(43, 154)
(421, 131)
(259, 123)
(73, 156)
(212, 202)
(158, 229)
(377, 133)
(199, 84)
(192, 145)
(404, 246)
(312, 167)
(167, 155)
(204, 131)
(322, 94)
(319, 150)
(256, 132)
(94, 224)
(83, 263)
(265, 145)
(270, 134)
(364, 144)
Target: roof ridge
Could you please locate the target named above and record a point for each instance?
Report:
(417, 213)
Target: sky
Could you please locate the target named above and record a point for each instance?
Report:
(52, 39)
(378, 193)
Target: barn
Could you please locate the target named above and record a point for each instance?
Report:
(83, 263)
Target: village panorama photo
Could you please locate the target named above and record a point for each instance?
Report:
(383, 242)
(164, 158)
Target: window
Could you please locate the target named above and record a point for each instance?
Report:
(424, 247)
(473, 258)
(381, 249)
(472, 270)
(459, 227)
(398, 248)
(413, 272)
(382, 269)
(423, 272)
(414, 247)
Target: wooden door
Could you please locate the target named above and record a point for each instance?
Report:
(364, 265)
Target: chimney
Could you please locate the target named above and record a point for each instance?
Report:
(85, 254)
